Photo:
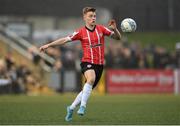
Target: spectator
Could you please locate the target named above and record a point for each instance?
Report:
(5, 80)
(161, 58)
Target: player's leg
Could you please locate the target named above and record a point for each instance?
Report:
(76, 101)
(71, 108)
(87, 89)
(90, 76)
(69, 114)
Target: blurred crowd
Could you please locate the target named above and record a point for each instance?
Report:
(118, 55)
(17, 78)
(132, 55)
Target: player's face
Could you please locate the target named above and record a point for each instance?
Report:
(90, 18)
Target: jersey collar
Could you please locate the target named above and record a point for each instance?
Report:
(90, 29)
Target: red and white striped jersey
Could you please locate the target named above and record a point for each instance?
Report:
(92, 42)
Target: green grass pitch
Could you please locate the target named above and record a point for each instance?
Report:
(104, 110)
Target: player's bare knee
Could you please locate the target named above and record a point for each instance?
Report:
(90, 80)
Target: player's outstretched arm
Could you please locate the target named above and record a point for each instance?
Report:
(112, 26)
(60, 41)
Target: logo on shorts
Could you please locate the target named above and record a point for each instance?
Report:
(89, 66)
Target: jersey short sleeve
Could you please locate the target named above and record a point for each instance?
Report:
(106, 31)
(76, 35)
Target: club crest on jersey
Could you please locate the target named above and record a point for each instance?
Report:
(89, 66)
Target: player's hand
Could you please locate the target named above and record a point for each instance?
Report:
(112, 24)
(43, 48)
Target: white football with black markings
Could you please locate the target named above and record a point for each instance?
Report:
(128, 25)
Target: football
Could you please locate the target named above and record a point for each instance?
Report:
(128, 25)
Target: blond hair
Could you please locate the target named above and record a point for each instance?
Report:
(88, 9)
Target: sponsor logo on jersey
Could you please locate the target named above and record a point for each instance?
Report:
(95, 45)
(85, 38)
